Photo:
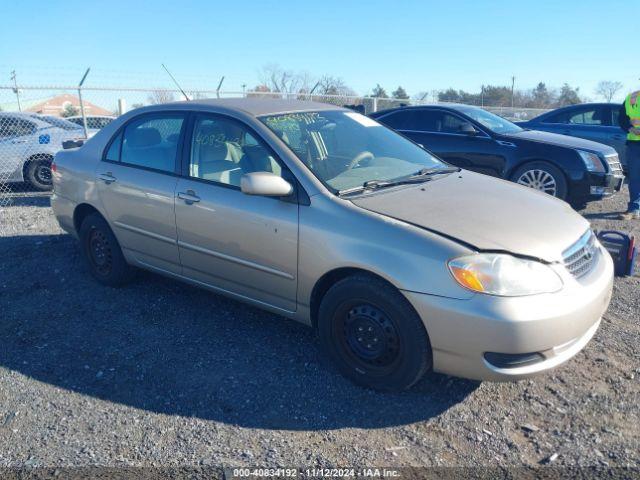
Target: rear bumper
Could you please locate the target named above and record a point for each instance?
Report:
(63, 209)
(553, 326)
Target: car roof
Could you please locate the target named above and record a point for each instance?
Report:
(258, 106)
(452, 106)
(32, 117)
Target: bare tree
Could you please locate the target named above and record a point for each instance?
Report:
(329, 85)
(280, 80)
(608, 89)
(160, 96)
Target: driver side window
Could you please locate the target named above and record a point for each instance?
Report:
(222, 150)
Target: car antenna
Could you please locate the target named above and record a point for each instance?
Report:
(176, 82)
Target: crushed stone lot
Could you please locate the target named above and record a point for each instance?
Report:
(163, 374)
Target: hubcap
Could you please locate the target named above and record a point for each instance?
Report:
(100, 252)
(43, 174)
(540, 180)
(371, 336)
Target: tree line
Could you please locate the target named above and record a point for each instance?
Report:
(276, 79)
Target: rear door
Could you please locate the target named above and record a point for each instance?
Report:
(440, 131)
(136, 182)
(591, 122)
(242, 244)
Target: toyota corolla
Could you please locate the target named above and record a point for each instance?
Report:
(402, 262)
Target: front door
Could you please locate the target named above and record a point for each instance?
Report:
(136, 182)
(242, 244)
(442, 133)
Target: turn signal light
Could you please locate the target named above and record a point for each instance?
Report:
(467, 278)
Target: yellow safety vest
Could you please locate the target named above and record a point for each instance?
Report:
(632, 107)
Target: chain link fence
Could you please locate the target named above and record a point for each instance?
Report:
(36, 120)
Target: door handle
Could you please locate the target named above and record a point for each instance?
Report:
(189, 197)
(107, 178)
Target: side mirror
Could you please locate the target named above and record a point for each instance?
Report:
(266, 184)
(468, 129)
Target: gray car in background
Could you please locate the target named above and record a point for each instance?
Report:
(592, 121)
(402, 262)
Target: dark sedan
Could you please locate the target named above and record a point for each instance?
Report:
(570, 168)
(592, 121)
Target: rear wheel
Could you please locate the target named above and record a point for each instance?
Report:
(373, 334)
(38, 174)
(542, 176)
(103, 253)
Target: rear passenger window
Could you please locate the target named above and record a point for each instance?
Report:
(152, 142)
(222, 150)
(418, 120)
(113, 153)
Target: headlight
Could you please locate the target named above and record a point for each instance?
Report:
(504, 275)
(591, 161)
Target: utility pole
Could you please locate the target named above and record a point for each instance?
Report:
(513, 84)
(482, 96)
(244, 86)
(15, 88)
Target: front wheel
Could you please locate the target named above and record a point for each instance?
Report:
(542, 176)
(373, 334)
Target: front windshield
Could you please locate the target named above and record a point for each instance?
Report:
(491, 121)
(59, 122)
(346, 149)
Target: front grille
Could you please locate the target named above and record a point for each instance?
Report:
(614, 164)
(581, 256)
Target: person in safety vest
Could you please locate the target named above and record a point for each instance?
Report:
(630, 123)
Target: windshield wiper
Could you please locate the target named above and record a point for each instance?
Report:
(425, 172)
(420, 176)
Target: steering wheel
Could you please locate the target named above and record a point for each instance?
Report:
(360, 157)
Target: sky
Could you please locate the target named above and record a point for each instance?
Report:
(421, 45)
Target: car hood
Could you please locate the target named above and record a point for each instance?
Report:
(561, 141)
(485, 213)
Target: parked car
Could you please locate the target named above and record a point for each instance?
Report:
(94, 122)
(593, 121)
(27, 145)
(58, 122)
(569, 168)
(315, 212)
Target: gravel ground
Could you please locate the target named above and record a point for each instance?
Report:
(164, 374)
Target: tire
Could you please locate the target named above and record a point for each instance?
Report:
(542, 176)
(393, 351)
(103, 253)
(38, 174)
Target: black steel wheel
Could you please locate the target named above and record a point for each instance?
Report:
(373, 334)
(369, 336)
(102, 252)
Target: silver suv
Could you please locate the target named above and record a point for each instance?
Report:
(402, 262)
